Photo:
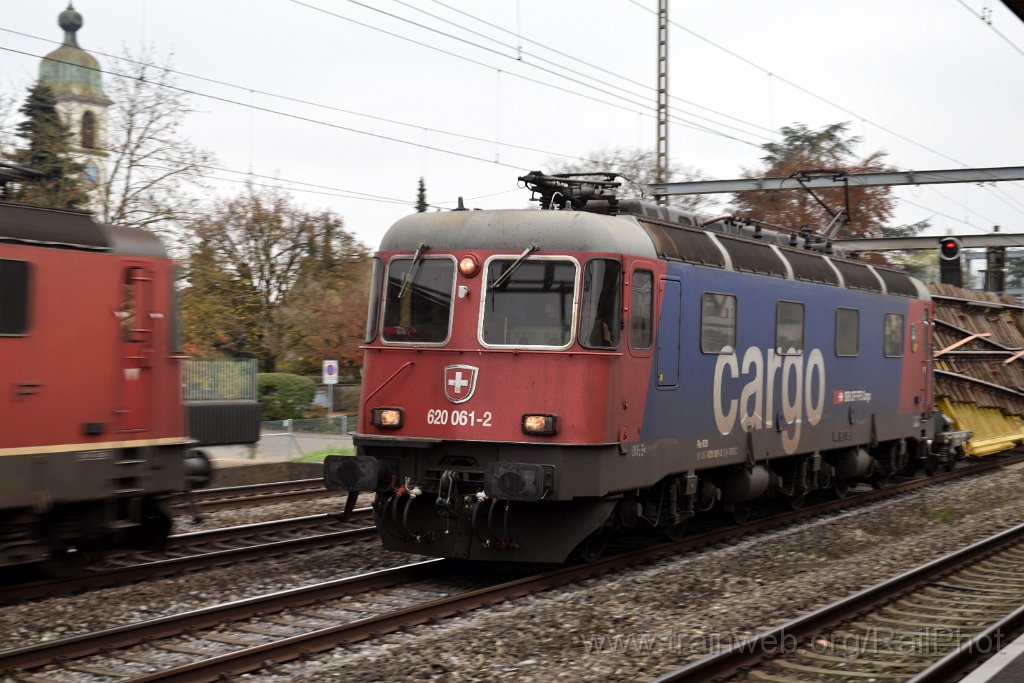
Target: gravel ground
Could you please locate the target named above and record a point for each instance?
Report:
(183, 524)
(63, 616)
(633, 626)
(645, 622)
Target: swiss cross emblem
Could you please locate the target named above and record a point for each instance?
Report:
(459, 382)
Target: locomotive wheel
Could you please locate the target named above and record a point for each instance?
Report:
(677, 531)
(593, 546)
(741, 513)
(64, 562)
(840, 488)
(796, 502)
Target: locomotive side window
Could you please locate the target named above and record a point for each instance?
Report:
(641, 308)
(418, 302)
(789, 328)
(13, 297)
(532, 304)
(717, 323)
(602, 302)
(847, 332)
(373, 311)
(893, 335)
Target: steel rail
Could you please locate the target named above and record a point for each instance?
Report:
(255, 657)
(251, 495)
(773, 642)
(139, 571)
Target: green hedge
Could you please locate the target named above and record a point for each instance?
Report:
(284, 396)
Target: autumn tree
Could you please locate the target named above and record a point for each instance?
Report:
(262, 243)
(47, 151)
(153, 170)
(639, 169)
(324, 314)
(829, 150)
(219, 308)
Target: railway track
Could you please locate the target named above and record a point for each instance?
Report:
(246, 635)
(204, 550)
(252, 495)
(930, 624)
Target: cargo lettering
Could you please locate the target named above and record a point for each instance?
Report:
(801, 389)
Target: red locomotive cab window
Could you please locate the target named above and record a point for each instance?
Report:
(418, 300)
(641, 318)
(529, 303)
(14, 296)
(600, 310)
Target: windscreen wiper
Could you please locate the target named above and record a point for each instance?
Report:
(410, 276)
(511, 269)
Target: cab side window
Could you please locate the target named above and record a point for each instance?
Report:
(641, 308)
(14, 291)
(600, 317)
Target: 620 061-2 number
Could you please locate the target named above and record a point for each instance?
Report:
(459, 418)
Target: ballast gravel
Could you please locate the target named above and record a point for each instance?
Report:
(631, 626)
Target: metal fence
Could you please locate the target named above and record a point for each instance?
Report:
(292, 438)
(219, 379)
(339, 424)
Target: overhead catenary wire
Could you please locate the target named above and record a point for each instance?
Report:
(997, 191)
(486, 160)
(645, 107)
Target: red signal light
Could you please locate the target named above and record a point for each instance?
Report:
(949, 248)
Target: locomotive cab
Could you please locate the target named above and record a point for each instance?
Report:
(491, 366)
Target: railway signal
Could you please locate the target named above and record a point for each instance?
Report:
(950, 268)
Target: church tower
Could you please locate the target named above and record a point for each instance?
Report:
(75, 79)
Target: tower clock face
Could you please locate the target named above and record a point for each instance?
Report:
(91, 172)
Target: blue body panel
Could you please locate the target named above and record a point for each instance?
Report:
(680, 417)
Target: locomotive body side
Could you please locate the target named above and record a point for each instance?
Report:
(533, 380)
(844, 397)
(92, 424)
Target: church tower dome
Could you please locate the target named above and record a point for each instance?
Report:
(70, 71)
(75, 78)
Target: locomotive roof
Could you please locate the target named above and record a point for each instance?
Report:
(73, 230)
(657, 236)
(515, 229)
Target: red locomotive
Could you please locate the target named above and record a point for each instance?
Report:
(536, 381)
(92, 424)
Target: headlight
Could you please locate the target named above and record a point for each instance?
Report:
(386, 418)
(539, 424)
(468, 265)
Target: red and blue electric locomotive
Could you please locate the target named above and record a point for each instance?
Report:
(92, 424)
(534, 381)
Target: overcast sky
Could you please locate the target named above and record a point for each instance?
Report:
(469, 95)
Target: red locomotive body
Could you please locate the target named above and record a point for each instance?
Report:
(536, 382)
(92, 424)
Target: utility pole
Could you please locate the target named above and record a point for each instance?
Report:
(661, 171)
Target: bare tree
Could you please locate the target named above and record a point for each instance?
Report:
(8, 108)
(638, 167)
(154, 172)
(262, 245)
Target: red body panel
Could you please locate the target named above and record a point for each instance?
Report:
(74, 372)
(580, 386)
(916, 380)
